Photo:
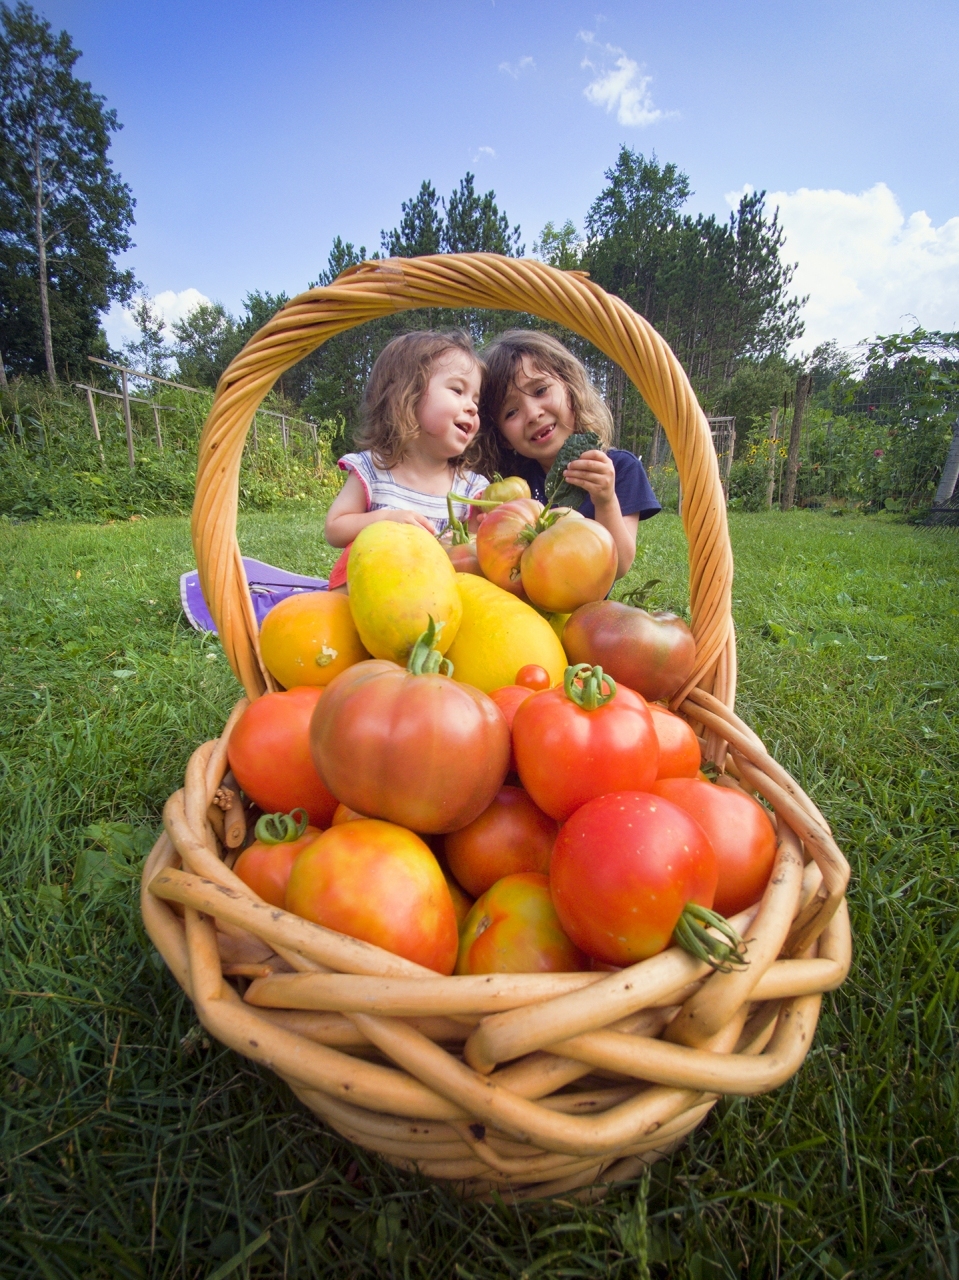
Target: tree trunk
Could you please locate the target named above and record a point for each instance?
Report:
(42, 267)
(950, 470)
(3, 372)
(773, 451)
(803, 388)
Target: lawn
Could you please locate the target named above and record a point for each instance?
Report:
(133, 1146)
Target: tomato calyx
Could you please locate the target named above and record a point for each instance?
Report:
(424, 660)
(548, 518)
(692, 934)
(583, 685)
(281, 828)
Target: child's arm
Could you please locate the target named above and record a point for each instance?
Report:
(348, 514)
(594, 472)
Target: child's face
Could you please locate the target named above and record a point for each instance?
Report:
(448, 410)
(537, 416)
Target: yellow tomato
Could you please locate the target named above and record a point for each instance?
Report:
(309, 638)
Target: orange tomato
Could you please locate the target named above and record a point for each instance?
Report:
(344, 814)
(508, 699)
(740, 831)
(265, 867)
(512, 835)
(571, 563)
(380, 883)
(679, 753)
(309, 638)
(514, 928)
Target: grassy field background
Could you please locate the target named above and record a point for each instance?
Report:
(132, 1146)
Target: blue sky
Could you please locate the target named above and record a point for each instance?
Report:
(255, 133)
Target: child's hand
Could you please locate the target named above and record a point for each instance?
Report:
(402, 516)
(594, 472)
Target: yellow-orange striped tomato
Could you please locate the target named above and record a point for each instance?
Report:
(514, 928)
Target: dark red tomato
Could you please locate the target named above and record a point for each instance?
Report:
(508, 698)
(513, 928)
(679, 753)
(511, 836)
(265, 866)
(653, 653)
(740, 832)
(533, 677)
(577, 742)
(269, 753)
(420, 750)
(623, 868)
(499, 545)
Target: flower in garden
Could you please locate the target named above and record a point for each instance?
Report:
(877, 453)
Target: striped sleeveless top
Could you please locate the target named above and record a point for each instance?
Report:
(384, 492)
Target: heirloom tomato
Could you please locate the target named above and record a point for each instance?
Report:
(624, 867)
(269, 754)
(533, 677)
(578, 741)
(740, 832)
(571, 562)
(309, 638)
(653, 653)
(380, 883)
(513, 928)
(410, 745)
(512, 835)
(265, 865)
(679, 753)
(463, 557)
(499, 545)
(507, 490)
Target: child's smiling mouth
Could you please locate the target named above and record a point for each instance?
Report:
(542, 433)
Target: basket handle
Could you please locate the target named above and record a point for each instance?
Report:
(487, 281)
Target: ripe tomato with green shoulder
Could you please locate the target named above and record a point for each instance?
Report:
(513, 928)
(499, 544)
(679, 752)
(582, 739)
(265, 865)
(505, 490)
(629, 870)
(410, 745)
(740, 831)
(378, 882)
(511, 836)
(269, 753)
(569, 562)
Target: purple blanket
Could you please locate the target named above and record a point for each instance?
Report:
(268, 586)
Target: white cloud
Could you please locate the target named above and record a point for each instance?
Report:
(121, 327)
(516, 69)
(621, 85)
(867, 267)
(484, 153)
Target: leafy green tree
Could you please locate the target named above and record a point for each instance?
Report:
(205, 341)
(474, 224)
(559, 247)
(150, 353)
(64, 213)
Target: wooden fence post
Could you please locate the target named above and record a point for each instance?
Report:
(255, 440)
(126, 419)
(773, 451)
(803, 388)
(156, 423)
(284, 431)
(96, 425)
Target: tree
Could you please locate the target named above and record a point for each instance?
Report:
(421, 227)
(206, 341)
(151, 354)
(64, 213)
(559, 248)
(474, 224)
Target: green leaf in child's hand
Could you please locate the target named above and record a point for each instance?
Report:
(559, 492)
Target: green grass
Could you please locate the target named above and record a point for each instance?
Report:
(132, 1146)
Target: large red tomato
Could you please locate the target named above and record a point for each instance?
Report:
(740, 832)
(269, 753)
(653, 653)
(514, 928)
(577, 742)
(265, 865)
(679, 753)
(512, 835)
(499, 545)
(410, 745)
(570, 563)
(623, 868)
(375, 881)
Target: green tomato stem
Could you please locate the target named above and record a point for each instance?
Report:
(692, 934)
(424, 660)
(281, 828)
(588, 694)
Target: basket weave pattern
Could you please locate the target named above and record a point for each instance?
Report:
(540, 1082)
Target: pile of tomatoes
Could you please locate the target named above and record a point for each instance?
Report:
(533, 828)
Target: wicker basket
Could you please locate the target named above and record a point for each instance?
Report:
(541, 1083)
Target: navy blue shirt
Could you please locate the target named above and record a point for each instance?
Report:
(635, 493)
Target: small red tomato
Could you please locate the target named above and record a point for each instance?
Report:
(577, 742)
(679, 753)
(533, 677)
(513, 928)
(624, 867)
(265, 865)
(269, 754)
(378, 882)
(512, 835)
(740, 832)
